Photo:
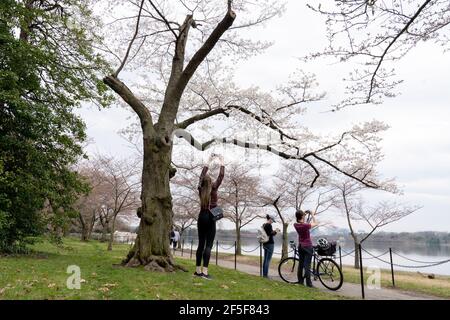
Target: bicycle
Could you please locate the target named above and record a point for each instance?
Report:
(327, 270)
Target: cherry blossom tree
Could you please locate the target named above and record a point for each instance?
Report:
(375, 34)
(173, 67)
(115, 188)
(241, 195)
(292, 191)
(356, 209)
(88, 205)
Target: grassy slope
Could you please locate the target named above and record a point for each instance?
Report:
(43, 276)
(410, 281)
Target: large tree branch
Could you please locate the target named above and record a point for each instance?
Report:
(179, 80)
(186, 123)
(206, 48)
(369, 184)
(329, 146)
(180, 133)
(141, 110)
(268, 122)
(173, 95)
(275, 205)
(179, 56)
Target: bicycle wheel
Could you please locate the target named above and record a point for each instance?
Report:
(330, 275)
(287, 269)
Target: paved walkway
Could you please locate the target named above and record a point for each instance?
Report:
(348, 289)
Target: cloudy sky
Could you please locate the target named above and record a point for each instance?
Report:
(416, 147)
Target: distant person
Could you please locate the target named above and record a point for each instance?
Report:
(206, 226)
(305, 247)
(171, 236)
(269, 245)
(176, 239)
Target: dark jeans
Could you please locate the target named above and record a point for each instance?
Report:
(206, 228)
(305, 255)
(268, 252)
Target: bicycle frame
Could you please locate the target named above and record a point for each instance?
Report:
(315, 259)
(324, 268)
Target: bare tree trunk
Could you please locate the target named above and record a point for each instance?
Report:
(90, 228)
(356, 262)
(111, 234)
(179, 240)
(104, 231)
(83, 228)
(151, 248)
(285, 246)
(84, 234)
(238, 239)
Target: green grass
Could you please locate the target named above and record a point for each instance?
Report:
(408, 281)
(42, 275)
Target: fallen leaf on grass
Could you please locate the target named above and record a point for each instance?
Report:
(103, 289)
(51, 285)
(2, 291)
(198, 284)
(224, 287)
(110, 285)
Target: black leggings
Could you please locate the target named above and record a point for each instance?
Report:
(206, 227)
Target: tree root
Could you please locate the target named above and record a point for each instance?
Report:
(154, 264)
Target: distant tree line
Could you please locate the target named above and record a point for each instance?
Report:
(425, 237)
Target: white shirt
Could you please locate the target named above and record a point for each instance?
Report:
(176, 238)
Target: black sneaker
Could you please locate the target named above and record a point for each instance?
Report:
(206, 276)
(198, 274)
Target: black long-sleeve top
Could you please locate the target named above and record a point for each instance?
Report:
(270, 232)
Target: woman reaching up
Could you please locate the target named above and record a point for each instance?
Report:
(206, 226)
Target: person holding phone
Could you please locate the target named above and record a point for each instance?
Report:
(269, 245)
(206, 226)
(305, 247)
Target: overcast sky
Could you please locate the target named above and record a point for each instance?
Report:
(416, 147)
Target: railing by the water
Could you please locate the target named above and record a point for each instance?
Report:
(228, 245)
